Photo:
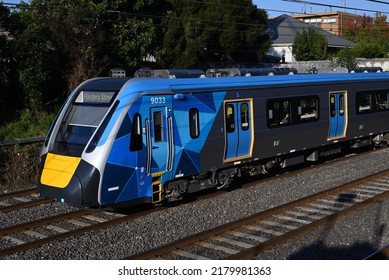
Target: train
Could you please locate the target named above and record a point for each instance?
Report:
(121, 142)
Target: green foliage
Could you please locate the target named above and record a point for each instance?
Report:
(310, 45)
(371, 37)
(345, 58)
(221, 31)
(73, 38)
(54, 45)
(134, 39)
(28, 124)
(5, 48)
(35, 66)
(9, 92)
(370, 49)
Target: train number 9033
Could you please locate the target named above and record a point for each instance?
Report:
(157, 100)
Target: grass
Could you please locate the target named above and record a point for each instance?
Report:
(29, 124)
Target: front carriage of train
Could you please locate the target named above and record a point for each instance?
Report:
(89, 134)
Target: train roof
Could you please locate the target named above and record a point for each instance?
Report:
(159, 85)
(234, 82)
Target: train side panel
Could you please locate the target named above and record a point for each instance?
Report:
(194, 117)
(156, 140)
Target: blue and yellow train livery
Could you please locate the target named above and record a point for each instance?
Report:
(120, 141)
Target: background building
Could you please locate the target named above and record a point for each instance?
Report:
(333, 22)
(282, 31)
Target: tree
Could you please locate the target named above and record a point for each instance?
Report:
(134, 33)
(39, 71)
(310, 45)
(216, 31)
(344, 58)
(63, 43)
(9, 91)
(76, 36)
(5, 50)
(368, 49)
(371, 37)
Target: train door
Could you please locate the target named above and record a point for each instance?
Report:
(239, 129)
(159, 142)
(338, 115)
(159, 128)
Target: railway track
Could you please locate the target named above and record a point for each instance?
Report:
(245, 238)
(22, 199)
(34, 234)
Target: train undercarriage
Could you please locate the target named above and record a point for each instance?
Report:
(220, 179)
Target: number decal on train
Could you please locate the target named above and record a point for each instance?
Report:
(157, 100)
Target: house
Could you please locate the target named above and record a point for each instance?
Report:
(282, 31)
(334, 22)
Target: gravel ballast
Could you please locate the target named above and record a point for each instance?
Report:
(350, 237)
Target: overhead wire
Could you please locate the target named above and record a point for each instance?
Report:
(333, 6)
(217, 23)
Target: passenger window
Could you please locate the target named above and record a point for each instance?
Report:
(307, 109)
(194, 123)
(158, 126)
(136, 143)
(382, 100)
(230, 118)
(369, 102)
(244, 116)
(364, 102)
(279, 112)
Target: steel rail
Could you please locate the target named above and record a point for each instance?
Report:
(43, 222)
(295, 233)
(72, 233)
(33, 203)
(191, 240)
(41, 242)
(5, 196)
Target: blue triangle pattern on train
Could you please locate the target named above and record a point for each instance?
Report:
(188, 162)
(208, 100)
(116, 182)
(125, 128)
(208, 104)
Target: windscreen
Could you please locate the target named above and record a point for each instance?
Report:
(81, 120)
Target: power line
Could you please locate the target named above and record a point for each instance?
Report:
(200, 20)
(9, 4)
(333, 6)
(381, 2)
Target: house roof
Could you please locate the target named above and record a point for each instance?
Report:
(283, 29)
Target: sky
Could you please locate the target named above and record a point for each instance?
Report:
(360, 7)
(279, 7)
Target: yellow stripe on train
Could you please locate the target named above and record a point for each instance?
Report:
(58, 170)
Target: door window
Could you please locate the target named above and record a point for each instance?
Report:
(244, 116)
(332, 106)
(341, 105)
(230, 118)
(158, 126)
